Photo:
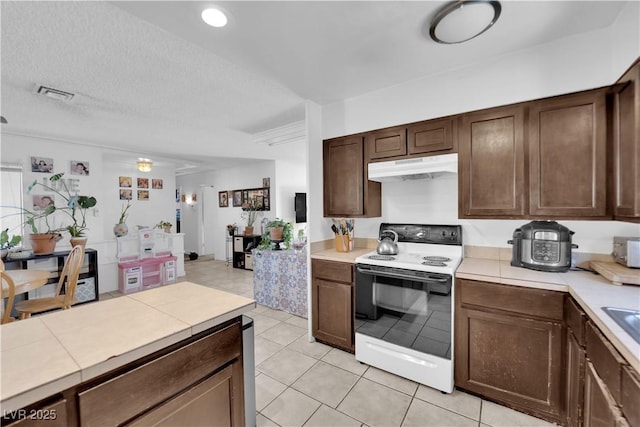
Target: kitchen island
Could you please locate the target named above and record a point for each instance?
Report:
(141, 355)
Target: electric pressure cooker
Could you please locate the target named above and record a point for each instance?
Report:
(543, 246)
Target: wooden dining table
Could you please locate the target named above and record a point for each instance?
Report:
(25, 280)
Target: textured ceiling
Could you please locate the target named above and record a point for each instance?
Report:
(151, 79)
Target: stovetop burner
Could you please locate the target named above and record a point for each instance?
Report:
(434, 263)
(435, 258)
(382, 257)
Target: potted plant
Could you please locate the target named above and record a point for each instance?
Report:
(277, 230)
(7, 243)
(79, 207)
(165, 225)
(76, 208)
(121, 229)
(250, 214)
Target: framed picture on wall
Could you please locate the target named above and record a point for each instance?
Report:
(143, 194)
(41, 164)
(223, 199)
(266, 182)
(79, 168)
(143, 182)
(237, 198)
(126, 194)
(156, 184)
(125, 181)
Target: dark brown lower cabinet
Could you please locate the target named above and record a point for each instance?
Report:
(537, 352)
(574, 390)
(506, 354)
(195, 382)
(575, 358)
(332, 299)
(209, 400)
(600, 408)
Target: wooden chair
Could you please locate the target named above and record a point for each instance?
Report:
(70, 273)
(6, 315)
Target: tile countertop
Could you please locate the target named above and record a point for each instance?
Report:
(46, 354)
(590, 290)
(333, 255)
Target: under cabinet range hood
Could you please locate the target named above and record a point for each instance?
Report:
(417, 168)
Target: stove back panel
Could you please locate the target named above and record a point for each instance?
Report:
(424, 233)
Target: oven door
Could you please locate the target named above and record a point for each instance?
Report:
(410, 309)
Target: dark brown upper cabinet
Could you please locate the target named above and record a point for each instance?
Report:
(387, 143)
(626, 145)
(491, 163)
(347, 191)
(431, 136)
(420, 139)
(568, 156)
(539, 159)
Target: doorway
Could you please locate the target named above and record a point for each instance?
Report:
(209, 220)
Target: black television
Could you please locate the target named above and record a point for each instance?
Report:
(300, 206)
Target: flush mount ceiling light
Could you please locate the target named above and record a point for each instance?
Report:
(463, 20)
(214, 17)
(144, 165)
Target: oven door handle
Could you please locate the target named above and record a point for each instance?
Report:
(402, 276)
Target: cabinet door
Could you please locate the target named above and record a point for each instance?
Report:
(430, 136)
(568, 156)
(626, 145)
(600, 409)
(491, 163)
(513, 360)
(387, 143)
(210, 400)
(347, 192)
(332, 313)
(574, 388)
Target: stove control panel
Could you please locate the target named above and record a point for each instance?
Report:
(422, 233)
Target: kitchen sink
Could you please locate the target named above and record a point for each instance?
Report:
(629, 320)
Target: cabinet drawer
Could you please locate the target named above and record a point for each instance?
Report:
(606, 360)
(630, 395)
(575, 318)
(134, 392)
(516, 299)
(332, 270)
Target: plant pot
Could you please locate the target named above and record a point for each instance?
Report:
(44, 244)
(167, 229)
(78, 241)
(275, 233)
(120, 230)
(248, 231)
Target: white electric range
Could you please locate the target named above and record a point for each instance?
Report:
(404, 304)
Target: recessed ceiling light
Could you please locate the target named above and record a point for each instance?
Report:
(214, 17)
(463, 20)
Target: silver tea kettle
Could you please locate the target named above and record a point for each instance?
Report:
(386, 246)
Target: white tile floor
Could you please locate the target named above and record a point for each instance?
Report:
(299, 383)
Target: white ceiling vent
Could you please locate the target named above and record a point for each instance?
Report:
(56, 94)
(282, 135)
